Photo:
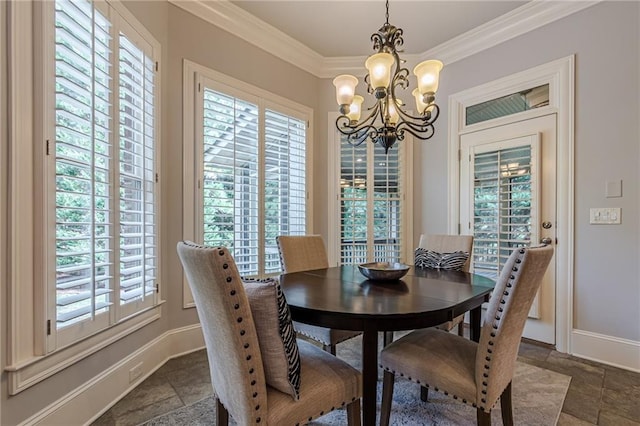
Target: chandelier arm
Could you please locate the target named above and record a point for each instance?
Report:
(380, 125)
(427, 119)
(422, 133)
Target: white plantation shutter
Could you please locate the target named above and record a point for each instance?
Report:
(105, 200)
(504, 202)
(138, 233)
(230, 181)
(84, 231)
(285, 186)
(371, 204)
(353, 204)
(254, 188)
(387, 206)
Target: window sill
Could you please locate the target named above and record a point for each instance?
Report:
(30, 371)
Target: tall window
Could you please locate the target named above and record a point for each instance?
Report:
(372, 204)
(253, 183)
(104, 166)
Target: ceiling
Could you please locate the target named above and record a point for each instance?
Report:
(334, 28)
(331, 37)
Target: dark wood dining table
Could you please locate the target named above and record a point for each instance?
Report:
(342, 298)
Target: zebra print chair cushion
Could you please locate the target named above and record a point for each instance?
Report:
(276, 336)
(433, 260)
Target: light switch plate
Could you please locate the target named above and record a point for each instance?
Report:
(613, 189)
(605, 216)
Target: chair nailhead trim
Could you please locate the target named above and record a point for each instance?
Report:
(496, 326)
(225, 266)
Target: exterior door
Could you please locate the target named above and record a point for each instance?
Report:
(508, 200)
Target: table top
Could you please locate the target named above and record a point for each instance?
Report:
(341, 297)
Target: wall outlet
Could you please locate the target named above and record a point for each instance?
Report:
(605, 216)
(135, 373)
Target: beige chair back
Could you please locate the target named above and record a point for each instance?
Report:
(235, 362)
(448, 244)
(505, 318)
(302, 252)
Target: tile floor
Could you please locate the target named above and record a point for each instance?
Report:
(598, 394)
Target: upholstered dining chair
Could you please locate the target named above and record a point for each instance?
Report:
(474, 373)
(305, 253)
(239, 374)
(443, 243)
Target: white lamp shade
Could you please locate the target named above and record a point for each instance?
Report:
(355, 110)
(379, 67)
(421, 106)
(345, 88)
(394, 117)
(428, 73)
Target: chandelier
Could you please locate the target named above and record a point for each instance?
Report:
(387, 120)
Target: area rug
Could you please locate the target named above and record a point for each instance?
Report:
(538, 395)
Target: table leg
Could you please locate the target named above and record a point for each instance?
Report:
(369, 376)
(476, 317)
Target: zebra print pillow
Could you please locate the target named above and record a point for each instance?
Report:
(433, 260)
(276, 336)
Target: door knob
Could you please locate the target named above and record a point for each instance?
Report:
(546, 240)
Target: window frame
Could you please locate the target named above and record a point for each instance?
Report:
(405, 159)
(193, 76)
(34, 355)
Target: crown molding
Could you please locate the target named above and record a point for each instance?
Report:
(527, 17)
(242, 24)
(231, 18)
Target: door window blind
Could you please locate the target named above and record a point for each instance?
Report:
(503, 203)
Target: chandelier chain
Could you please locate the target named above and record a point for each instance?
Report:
(387, 14)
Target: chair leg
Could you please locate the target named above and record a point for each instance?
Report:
(483, 419)
(424, 393)
(329, 348)
(387, 338)
(222, 415)
(387, 396)
(461, 329)
(506, 407)
(354, 417)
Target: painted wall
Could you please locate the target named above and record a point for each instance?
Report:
(20, 407)
(182, 35)
(198, 41)
(607, 140)
(606, 148)
(607, 267)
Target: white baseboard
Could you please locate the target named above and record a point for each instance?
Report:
(609, 350)
(91, 400)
